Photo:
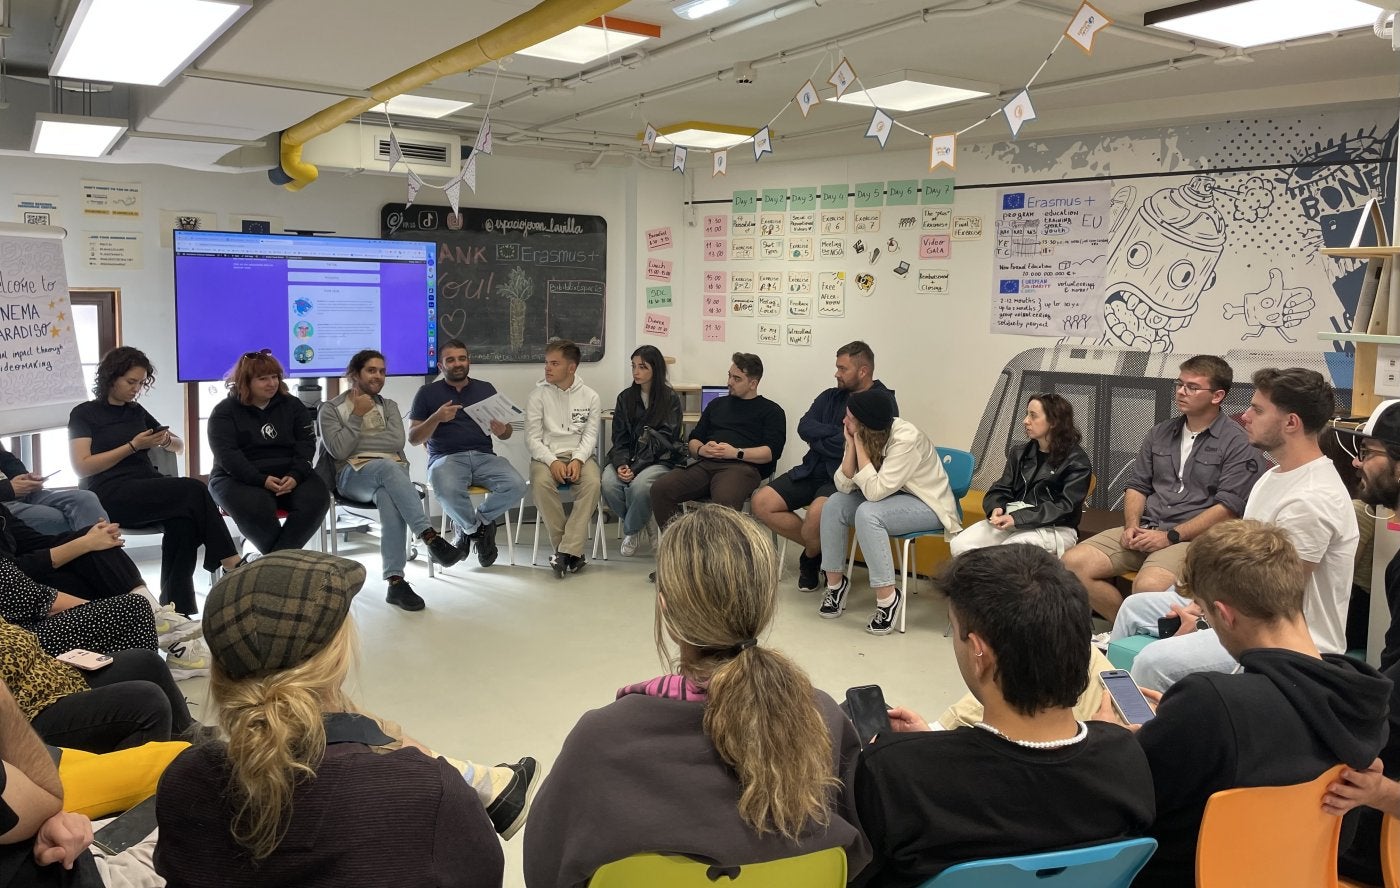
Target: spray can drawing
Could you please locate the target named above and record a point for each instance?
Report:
(517, 290)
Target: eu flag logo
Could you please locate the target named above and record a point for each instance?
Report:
(1010, 286)
(1016, 201)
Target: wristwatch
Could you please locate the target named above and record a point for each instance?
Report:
(739, 455)
(1173, 537)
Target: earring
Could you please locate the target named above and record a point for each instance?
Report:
(979, 653)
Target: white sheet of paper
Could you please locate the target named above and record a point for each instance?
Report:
(497, 407)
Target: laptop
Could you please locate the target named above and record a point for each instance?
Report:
(709, 392)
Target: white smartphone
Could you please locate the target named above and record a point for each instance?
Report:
(88, 660)
(1127, 697)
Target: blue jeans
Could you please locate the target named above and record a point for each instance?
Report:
(385, 483)
(1163, 663)
(631, 501)
(453, 473)
(875, 523)
(52, 512)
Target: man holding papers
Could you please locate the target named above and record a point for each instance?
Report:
(456, 416)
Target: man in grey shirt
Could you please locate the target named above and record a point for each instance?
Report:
(1193, 471)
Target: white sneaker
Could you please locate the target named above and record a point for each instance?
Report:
(173, 626)
(187, 659)
(630, 544)
(1100, 641)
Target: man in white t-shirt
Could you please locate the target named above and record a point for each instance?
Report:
(1303, 495)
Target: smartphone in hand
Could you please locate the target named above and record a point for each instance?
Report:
(87, 660)
(869, 712)
(1127, 697)
(160, 428)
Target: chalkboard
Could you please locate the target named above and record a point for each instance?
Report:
(509, 281)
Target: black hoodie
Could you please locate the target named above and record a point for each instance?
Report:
(251, 443)
(1285, 719)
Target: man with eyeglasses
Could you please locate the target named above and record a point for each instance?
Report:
(1193, 471)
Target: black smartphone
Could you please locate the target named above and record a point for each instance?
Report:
(1127, 697)
(1168, 626)
(869, 712)
(160, 428)
(131, 827)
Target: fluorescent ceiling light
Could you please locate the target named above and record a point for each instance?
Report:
(696, 134)
(420, 106)
(695, 9)
(1246, 23)
(598, 38)
(74, 136)
(908, 90)
(146, 42)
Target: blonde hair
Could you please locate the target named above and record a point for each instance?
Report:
(716, 580)
(1251, 566)
(276, 737)
(875, 441)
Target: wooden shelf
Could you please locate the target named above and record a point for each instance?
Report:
(1361, 252)
(1372, 338)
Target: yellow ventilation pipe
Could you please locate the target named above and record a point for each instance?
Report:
(548, 19)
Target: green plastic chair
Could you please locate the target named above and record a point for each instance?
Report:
(820, 869)
(1114, 865)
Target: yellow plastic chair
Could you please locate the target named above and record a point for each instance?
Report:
(820, 869)
(1390, 856)
(1269, 835)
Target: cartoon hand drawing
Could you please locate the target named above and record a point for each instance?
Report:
(1275, 307)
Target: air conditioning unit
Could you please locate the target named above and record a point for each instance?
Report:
(362, 148)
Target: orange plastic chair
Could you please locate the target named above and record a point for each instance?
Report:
(1269, 835)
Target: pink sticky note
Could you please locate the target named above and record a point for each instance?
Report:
(935, 246)
(716, 250)
(658, 238)
(657, 324)
(658, 270)
(714, 330)
(716, 282)
(715, 225)
(714, 304)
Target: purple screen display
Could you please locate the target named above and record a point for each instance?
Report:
(313, 301)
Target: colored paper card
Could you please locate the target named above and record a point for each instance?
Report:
(716, 282)
(770, 334)
(835, 197)
(775, 200)
(741, 306)
(832, 248)
(741, 248)
(933, 280)
(770, 282)
(799, 334)
(658, 270)
(721, 163)
(649, 137)
(943, 151)
(1085, 26)
(741, 281)
(867, 220)
(743, 226)
(658, 238)
(967, 228)
(804, 200)
(714, 305)
(799, 306)
(770, 306)
(678, 159)
(762, 143)
(870, 194)
(802, 223)
(770, 224)
(833, 221)
(939, 191)
(880, 126)
(831, 295)
(806, 98)
(1019, 112)
(935, 246)
(715, 226)
(903, 193)
(843, 78)
(799, 249)
(712, 329)
(659, 297)
(938, 219)
(770, 248)
(799, 282)
(716, 250)
(656, 324)
(745, 202)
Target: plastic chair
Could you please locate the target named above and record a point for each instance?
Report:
(478, 492)
(566, 495)
(1269, 835)
(1114, 865)
(820, 869)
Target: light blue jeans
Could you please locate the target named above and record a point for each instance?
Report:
(631, 501)
(1163, 663)
(385, 483)
(452, 474)
(875, 523)
(52, 512)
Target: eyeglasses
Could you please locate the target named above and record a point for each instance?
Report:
(1191, 389)
(248, 356)
(1366, 453)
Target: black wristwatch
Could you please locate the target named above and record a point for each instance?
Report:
(739, 455)
(1173, 537)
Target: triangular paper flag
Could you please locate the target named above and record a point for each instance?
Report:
(395, 152)
(678, 159)
(721, 163)
(762, 143)
(649, 139)
(454, 194)
(1018, 112)
(880, 126)
(807, 98)
(414, 184)
(843, 78)
(483, 137)
(469, 173)
(1087, 24)
(943, 151)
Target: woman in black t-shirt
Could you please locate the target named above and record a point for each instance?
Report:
(109, 438)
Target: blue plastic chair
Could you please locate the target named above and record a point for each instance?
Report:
(1114, 865)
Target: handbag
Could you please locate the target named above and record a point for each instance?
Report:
(653, 447)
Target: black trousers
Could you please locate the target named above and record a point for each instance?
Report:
(254, 510)
(190, 519)
(132, 702)
(92, 575)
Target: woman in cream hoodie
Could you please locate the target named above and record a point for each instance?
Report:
(890, 482)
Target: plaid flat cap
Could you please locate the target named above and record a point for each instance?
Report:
(279, 610)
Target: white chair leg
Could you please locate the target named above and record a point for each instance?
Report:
(904, 583)
(850, 560)
(535, 548)
(600, 536)
(510, 539)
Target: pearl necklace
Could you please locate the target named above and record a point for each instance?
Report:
(1040, 744)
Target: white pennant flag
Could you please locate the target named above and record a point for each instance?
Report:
(414, 183)
(678, 159)
(395, 152)
(807, 98)
(1018, 112)
(469, 173)
(843, 78)
(454, 194)
(1087, 24)
(721, 163)
(649, 138)
(943, 151)
(880, 126)
(483, 137)
(762, 143)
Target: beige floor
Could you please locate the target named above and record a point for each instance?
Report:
(504, 660)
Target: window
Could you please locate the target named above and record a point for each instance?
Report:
(97, 324)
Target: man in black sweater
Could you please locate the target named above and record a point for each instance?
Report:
(736, 444)
(1288, 715)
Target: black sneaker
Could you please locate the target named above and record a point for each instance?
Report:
(463, 542)
(486, 550)
(651, 577)
(809, 572)
(401, 594)
(576, 563)
(509, 809)
(559, 562)
(882, 623)
(834, 601)
(441, 551)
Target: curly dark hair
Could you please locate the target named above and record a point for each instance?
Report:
(117, 363)
(1064, 435)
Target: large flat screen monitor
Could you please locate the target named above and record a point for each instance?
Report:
(314, 301)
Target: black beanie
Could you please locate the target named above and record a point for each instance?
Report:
(874, 409)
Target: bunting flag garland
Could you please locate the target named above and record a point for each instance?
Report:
(1019, 111)
(469, 173)
(678, 159)
(649, 139)
(414, 183)
(807, 98)
(483, 137)
(1087, 24)
(454, 194)
(843, 78)
(880, 126)
(721, 163)
(395, 152)
(943, 151)
(762, 143)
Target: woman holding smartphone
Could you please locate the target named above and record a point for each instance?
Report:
(110, 439)
(647, 443)
(263, 441)
(1040, 495)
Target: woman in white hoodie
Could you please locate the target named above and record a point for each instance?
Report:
(890, 482)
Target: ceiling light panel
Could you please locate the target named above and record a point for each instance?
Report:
(69, 135)
(420, 106)
(147, 42)
(598, 38)
(908, 90)
(1248, 23)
